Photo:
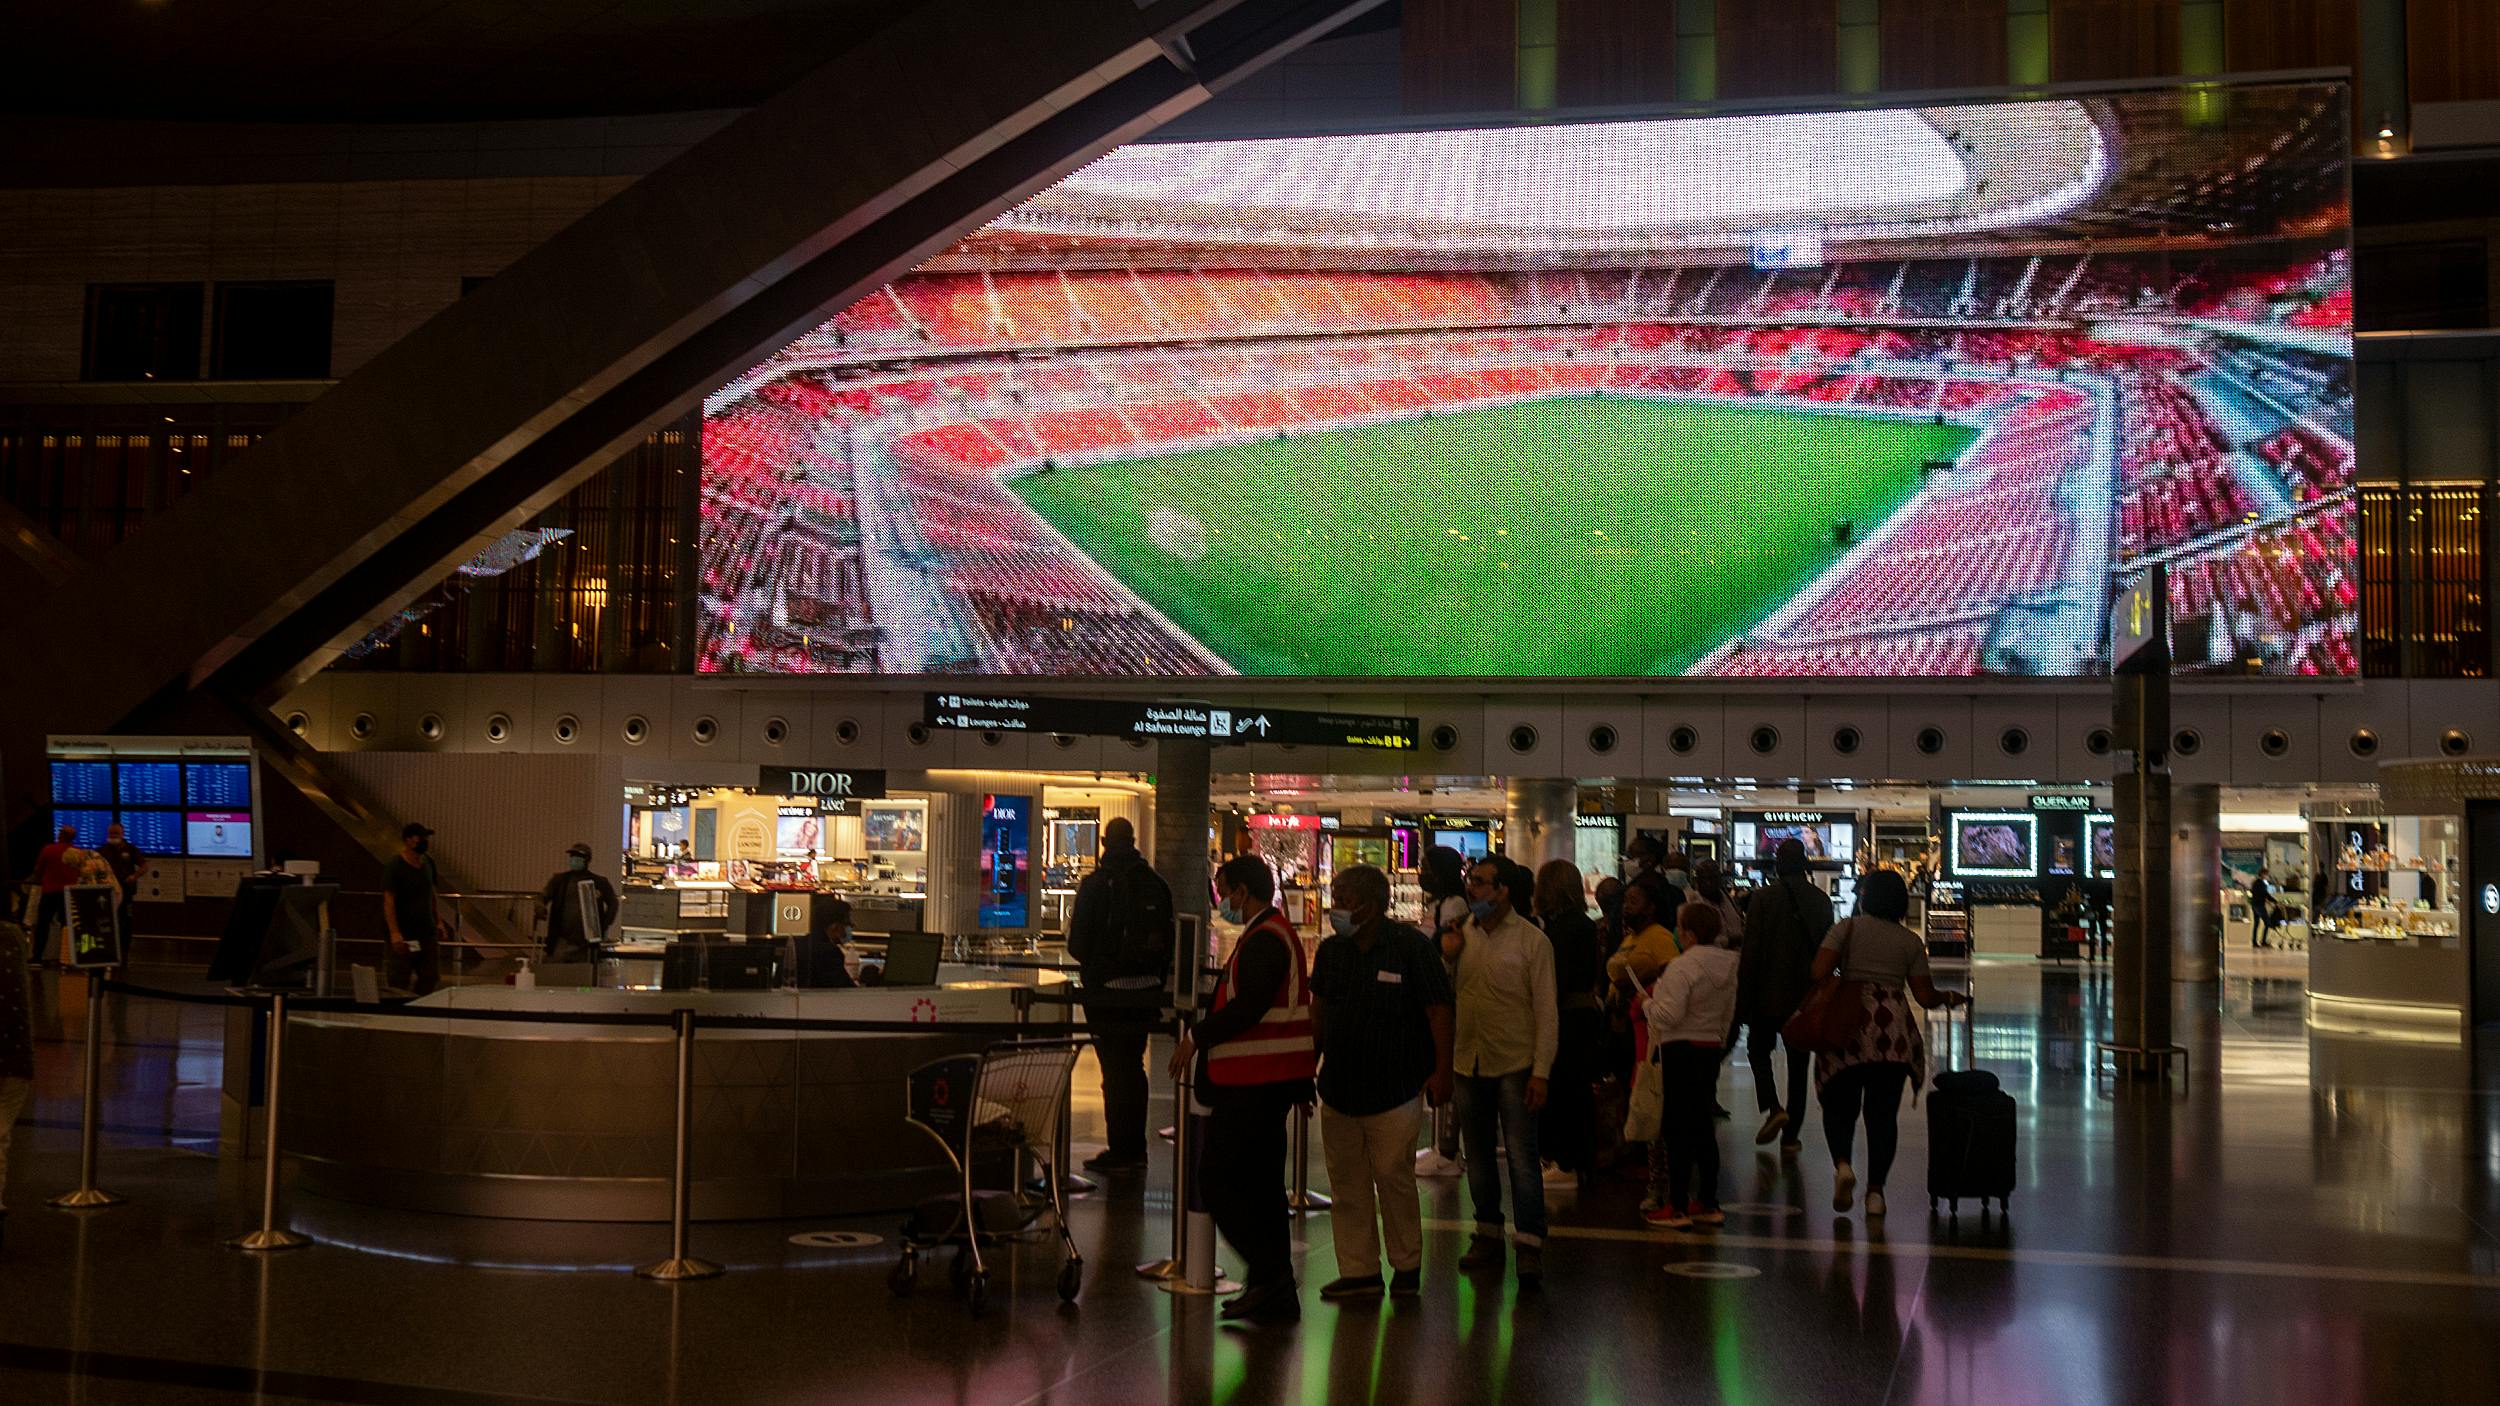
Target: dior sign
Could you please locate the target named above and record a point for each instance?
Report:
(819, 782)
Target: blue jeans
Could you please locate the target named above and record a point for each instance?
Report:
(1498, 1103)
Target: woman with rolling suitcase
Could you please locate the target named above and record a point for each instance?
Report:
(1883, 966)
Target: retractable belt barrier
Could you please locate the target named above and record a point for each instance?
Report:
(681, 1021)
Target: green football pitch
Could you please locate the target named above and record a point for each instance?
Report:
(1564, 537)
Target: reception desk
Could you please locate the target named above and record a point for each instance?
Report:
(2407, 988)
(558, 1121)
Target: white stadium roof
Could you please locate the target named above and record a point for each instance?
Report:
(1602, 187)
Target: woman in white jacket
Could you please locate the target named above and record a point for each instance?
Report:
(1690, 1011)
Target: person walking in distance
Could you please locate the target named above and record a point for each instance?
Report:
(1689, 1012)
(1508, 1032)
(415, 922)
(1784, 923)
(2261, 908)
(561, 901)
(1885, 965)
(127, 864)
(1381, 1008)
(1121, 934)
(56, 868)
(1260, 1056)
(1444, 882)
(17, 1049)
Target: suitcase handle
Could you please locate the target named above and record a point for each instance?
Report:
(1943, 1015)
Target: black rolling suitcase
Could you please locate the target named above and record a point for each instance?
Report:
(1970, 1131)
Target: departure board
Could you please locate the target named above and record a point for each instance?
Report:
(148, 783)
(82, 783)
(153, 831)
(220, 785)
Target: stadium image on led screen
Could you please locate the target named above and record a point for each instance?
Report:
(1902, 392)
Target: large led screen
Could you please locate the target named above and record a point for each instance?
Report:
(1906, 392)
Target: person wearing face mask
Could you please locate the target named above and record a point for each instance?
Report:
(1678, 874)
(561, 902)
(1259, 1056)
(1648, 943)
(415, 922)
(1508, 1034)
(1785, 921)
(1381, 1005)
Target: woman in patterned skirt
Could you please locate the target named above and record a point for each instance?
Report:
(1886, 964)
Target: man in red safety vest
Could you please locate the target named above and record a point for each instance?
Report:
(1260, 1054)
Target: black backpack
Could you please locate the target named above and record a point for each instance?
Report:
(1141, 921)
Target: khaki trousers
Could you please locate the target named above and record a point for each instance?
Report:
(1371, 1173)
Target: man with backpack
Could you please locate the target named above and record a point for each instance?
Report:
(1121, 934)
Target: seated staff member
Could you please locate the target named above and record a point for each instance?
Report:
(1259, 1061)
(1381, 1002)
(821, 959)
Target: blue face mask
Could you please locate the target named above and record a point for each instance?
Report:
(1341, 922)
(1229, 913)
(1482, 908)
(577, 862)
(1678, 877)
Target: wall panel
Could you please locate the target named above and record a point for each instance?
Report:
(1460, 55)
(1616, 52)
(1778, 48)
(1943, 44)
(2095, 39)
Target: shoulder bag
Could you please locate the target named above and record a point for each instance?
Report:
(1829, 1018)
(1647, 1105)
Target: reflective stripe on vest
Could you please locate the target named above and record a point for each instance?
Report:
(1281, 1046)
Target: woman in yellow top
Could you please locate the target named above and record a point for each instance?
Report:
(1648, 943)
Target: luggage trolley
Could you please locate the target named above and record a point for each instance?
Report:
(1003, 1102)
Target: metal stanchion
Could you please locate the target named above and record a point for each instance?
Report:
(679, 1264)
(1176, 1266)
(1194, 1243)
(269, 1236)
(89, 1196)
(1301, 1199)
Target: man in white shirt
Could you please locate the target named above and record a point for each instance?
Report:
(1508, 1028)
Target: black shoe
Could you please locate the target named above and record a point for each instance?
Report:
(1530, 1267)
(1107, 1162)
(1406, 1283)
(1483, 1252)
(1247, 1302)
(1353, 1286)
(1285, 1306)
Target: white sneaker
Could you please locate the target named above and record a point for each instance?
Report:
(1844, 1186)
(1431, 1163)
(1874, 1204)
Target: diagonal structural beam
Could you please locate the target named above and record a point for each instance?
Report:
(619, 323)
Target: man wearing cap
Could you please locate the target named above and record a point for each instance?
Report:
(417, 929)
(561, 901)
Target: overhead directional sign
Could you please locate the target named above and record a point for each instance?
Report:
(1155, 719)
(2139, 637)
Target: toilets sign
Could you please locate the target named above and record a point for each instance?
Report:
(835, 788)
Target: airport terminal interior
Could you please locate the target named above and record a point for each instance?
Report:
(1251, 701)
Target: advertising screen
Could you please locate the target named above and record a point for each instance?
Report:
(217, 834)
(1899, 392)
(798, 833)
(895, 829)
(148, 783)
(1994, 845)
(1006, 861)
(153, 831)
(2104, 861)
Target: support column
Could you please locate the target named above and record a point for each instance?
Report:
(1183, 779)
(1538, 823)
(2196, 882)
(2139, 956)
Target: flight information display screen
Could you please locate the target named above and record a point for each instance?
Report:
(148, 783)
(1900, 392)
(219, 784)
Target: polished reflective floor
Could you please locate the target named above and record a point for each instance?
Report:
(2300, 1218)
